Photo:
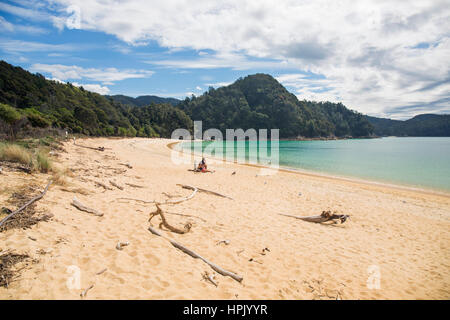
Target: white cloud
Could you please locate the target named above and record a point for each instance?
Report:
(218, 84)
(235, 61)
(93, 87)
(364, 49)
(106, 75)
(10, 27)
(198, 88)
(16, 46)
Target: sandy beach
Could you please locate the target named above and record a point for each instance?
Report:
(396, 237)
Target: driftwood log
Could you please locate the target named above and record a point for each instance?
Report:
(324, 217)
(38, 197)
(93, 148)
(77, 204)
(204, 190)
(164, 222)
(197, 256)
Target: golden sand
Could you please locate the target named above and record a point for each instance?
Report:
(397, 236)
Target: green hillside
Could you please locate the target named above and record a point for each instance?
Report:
(46, 103)
(259, 101)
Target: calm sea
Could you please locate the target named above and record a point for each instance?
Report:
(416, 162)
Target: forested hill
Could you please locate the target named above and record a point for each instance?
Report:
(142, 100)
(30, 100)
(259, 101)
(431, 125)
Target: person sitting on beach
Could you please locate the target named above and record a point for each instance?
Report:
(202, 166)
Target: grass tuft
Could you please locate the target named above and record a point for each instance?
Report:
(44, 164)
(15, 153)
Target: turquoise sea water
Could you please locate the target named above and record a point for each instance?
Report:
(417, 162)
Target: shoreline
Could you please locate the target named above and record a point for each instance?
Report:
(298, 171)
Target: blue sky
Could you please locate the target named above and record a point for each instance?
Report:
(375, 57)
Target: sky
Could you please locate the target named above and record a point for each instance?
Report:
(381, 58)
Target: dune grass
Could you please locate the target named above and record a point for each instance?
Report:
(34, 158)
(16, 153)
(44, 164)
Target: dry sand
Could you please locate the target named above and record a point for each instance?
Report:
(403, 234)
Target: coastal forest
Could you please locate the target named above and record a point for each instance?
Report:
(30, 103)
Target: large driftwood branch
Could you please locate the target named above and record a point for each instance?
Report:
(197, 256)
(324, 217)
(38, 197)
(77, 204)
(164, 222)
(204, 190)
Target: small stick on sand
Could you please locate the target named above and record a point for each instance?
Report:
(102, 271)
(196, 256)
(104, 186)
(138, 200)
(84, 293)
(134, 185)
(324, 217)
(204, 190)
(120, 245)
(38, 197)
(77, 204)
(115, 185)
(206, 276)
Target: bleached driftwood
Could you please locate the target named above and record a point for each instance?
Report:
(115, 185)
(226, 242)
(197, 256)
(206, 276)
(164, 222)
(204, 190)
(183, 199)
(77, 204)
(324, 217)
(120, 245)
(138, 200)
(38, 197)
